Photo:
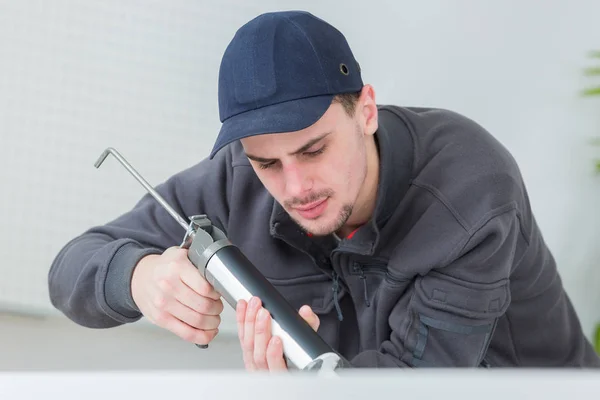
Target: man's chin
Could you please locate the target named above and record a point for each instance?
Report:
(317, 227)
(325, 224)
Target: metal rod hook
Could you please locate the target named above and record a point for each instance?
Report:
(143, 182)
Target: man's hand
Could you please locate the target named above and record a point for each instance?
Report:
(172, 294)
(260, 350)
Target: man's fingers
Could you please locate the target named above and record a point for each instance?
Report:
(275, 359)
(248, 340)
(191, 317)
(249, 321)
(247, 354)
(192, 278)
(185, 331)
(240, 317)
(261, 351)
(203, 305)
(309, 316)
(262, 335)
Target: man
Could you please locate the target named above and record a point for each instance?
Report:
(403, 235)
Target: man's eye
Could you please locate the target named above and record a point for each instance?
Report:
(315, 153)
(264, 166)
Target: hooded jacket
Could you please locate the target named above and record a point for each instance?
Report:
(451, 270)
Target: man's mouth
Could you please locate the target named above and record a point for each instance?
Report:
(309, 206)
(312, 210)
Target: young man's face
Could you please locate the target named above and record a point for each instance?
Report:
(317, 173)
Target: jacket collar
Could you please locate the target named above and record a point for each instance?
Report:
(396, 154)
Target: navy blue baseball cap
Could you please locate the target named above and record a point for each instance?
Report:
(280, 73)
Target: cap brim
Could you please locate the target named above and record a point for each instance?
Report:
(289, 116)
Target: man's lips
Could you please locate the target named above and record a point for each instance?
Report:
(312, 210)
(309, 206)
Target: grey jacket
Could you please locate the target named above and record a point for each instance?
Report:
(452, 270)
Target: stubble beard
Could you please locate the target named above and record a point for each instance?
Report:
(318, 228)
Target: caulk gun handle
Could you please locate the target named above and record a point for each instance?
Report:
(186, 245)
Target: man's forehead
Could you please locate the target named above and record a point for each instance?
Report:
(270, 146)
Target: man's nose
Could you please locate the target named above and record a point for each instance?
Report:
(296, 180)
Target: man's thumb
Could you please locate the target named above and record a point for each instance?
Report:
(309, 316)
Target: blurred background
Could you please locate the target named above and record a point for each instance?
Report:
(79, 76)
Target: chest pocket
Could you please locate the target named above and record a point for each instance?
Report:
(366, 277)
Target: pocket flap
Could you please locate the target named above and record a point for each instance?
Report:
(470, 299)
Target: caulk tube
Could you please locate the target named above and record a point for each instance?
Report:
(232, 275)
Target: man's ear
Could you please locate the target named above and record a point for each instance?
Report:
(367, 106)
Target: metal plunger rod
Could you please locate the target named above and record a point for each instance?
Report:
(143, 182)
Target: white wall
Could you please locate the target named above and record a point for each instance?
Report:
(76, 77)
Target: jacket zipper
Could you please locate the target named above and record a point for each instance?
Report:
(365, 268)
(357, 268)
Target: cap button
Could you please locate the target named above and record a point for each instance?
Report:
(344, 69)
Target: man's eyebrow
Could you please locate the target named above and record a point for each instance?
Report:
(303, 148)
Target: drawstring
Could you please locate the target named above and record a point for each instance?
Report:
(364, 279)
(365, 288)
(335, 287)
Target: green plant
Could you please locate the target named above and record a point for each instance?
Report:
(593, 72)
(597, 339)
(594, 91)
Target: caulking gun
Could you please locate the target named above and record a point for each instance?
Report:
(234, 276)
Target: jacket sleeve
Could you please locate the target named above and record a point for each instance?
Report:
(90, 278)
(452, 310)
